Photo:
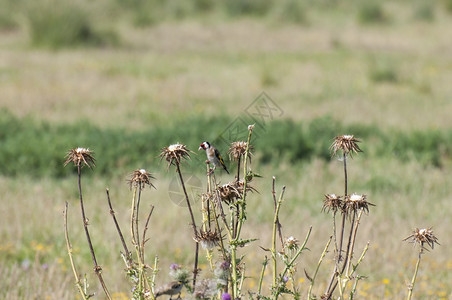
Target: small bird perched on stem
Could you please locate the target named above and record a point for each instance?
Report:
(172, 288)
(213, 155)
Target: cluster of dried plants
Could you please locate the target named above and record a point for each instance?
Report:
(224, 213)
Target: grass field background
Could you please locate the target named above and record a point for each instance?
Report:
(129, 78)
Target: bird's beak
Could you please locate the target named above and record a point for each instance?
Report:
(199, 148)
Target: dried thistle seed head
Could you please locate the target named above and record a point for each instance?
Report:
(232, 191)
(347, 143)
(355, 202)
(422, 237)
(238, 149)
(140, 178)
(291, 243)
(175, 153)
(332, 202)
(80, 157)
(208, 239)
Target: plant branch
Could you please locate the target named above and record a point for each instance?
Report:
(97, 268)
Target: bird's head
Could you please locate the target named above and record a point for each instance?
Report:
(204, 145)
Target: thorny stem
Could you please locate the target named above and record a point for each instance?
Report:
(132, 217)
(112, 213)
(413, 280)
(343, 216)
(277, 220)
(69, 252)
(261, 278)
(146, 226)
(275, 225)
(97, 268)
(193, 224)
(143, 242)
(356, 265)
(136, 221)
(331, 288)
(353, 239)
(241, 219)
(154, 273)
(238, 168)
(318, 267)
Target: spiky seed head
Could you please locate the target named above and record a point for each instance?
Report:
(332, 202)
(208, 239)
(140, 178)
(175, 153)
(232, 191)
(291, 243)
(423, 237)
(238, 149)
(80, 157)
(348, 144)
(355, 202)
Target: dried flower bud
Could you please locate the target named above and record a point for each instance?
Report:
(80, 157)
(423, 236)
(175, 153)
(347, 143)
(333, 202)
(140, 178)
(355, 202)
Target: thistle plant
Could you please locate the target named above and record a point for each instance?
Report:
(423, 238)
(137, 270)
(174, 155)
(84, 157)
(351, 207)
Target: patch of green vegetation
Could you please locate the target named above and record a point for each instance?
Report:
(372, 12)
(33, 148)
(62, 24)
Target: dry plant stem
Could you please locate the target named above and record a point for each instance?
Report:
(343, 215)
(261, 278)
(348, 276)
(274, 203)
(112, 213)
(97, 268)
(193, 224)
(275, 226)
(331, 288)
(413, 280)
(136, 220)
(318, 267)
(206, 209)
(353, 239)
(238, 169)
(241, 219)
(146, 226)
(154, 274)
(69, 252)
(355, 285)
(132, 217)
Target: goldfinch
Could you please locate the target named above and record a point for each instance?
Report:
(213, 155)
(172, 288)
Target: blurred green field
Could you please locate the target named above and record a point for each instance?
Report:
(127, 78)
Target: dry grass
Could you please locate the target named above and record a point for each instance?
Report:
(308, 71)
(410, 201)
